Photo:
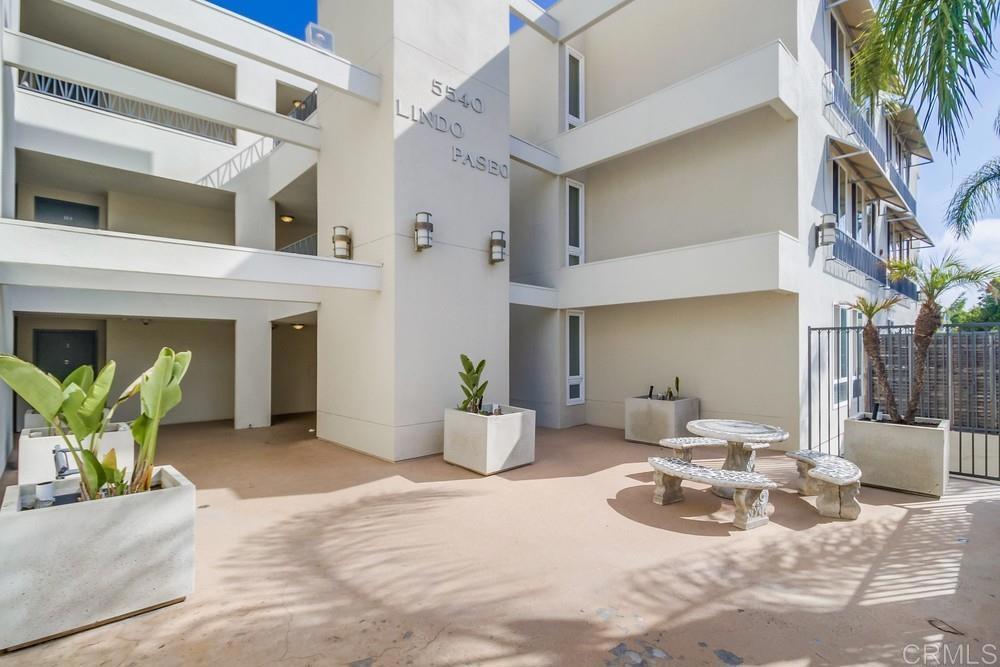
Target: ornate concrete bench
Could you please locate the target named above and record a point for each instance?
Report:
(683, 448)
(836, 483)
(751, 488)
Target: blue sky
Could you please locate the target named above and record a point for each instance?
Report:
(937, 180)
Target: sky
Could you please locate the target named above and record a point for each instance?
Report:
(937, 180)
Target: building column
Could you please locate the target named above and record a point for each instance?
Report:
(252, 392)
(253, 211)
(439, 141)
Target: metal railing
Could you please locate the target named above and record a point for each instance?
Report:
(838, 95)
(304, 246)
(858, 257)
(906, 287)
(962, 385)
(256, 151)
(123, 106)
(904, 189)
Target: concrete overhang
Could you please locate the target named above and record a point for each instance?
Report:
(856, 13)
(573, 18)
(235, 33)
(766, 262)
(533, 156)
(49, 59)
(46, 255)
(764, 77)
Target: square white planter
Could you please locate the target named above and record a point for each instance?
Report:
(901, 457)
(35, 462)
(489, 444)
(650, 420)
(70, 567)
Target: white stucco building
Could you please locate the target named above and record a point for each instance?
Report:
(173, 174)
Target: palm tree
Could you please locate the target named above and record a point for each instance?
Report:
(933, 279)
(870, 309)
(976, 196)
(929, 52)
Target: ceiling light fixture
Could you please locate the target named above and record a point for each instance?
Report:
(287, 218)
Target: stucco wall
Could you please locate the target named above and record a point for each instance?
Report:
(651, 44)
(161, 217)
(735, 353)
(208, 386)
(536, 238)
(732, 179)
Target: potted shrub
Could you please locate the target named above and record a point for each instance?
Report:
(88, 550)
(906, 452)
(486, 441)
(652, 417)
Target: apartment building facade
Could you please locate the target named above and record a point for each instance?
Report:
(175, 174)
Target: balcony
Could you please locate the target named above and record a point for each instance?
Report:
(304, 246)
(856, 257)
(839, 97)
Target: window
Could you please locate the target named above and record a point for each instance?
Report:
(857, 211)
(575, 89)
(575, 220)
(840, 59)
(872, 220)
(846, 381)
(840, 198)
(574, 358)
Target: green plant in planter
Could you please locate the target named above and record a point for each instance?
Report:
(673, 393)
(75, 411)
(473, 390)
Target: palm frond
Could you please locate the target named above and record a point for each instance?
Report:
(872, 307)
(939, 47)
(936, 277)
(976, 196)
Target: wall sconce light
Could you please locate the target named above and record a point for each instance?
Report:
(341, 242)
(423, 231)
(498, 246)
(286, 218)
(298, 327)
(826, 230)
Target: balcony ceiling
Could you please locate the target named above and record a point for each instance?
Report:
(866, 169)
(855, 13)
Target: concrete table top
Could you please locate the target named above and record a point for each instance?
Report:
(736, 430)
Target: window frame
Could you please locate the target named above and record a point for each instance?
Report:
(576, 380)
(579, 250)
(573, 122)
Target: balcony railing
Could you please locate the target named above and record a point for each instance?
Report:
(856, 256)
(840, 98)
(900, 184)
(123, 106)
(906, 287)
(849, 252)
(304, 246)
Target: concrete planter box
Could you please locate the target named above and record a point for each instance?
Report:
(489, 444)
(650, 420)
(912, 459)
(75, 566)
(35, 462)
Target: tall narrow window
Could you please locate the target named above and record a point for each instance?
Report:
(575, 358)
(872, 220)
(840, 198)
(858, 211)
(575, 83)
(575, 212)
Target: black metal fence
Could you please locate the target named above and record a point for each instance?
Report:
(962, 385)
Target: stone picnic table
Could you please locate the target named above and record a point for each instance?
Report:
(743, 439)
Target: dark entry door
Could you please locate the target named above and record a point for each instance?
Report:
(60, 352)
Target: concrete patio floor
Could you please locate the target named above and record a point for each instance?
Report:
(310, 554)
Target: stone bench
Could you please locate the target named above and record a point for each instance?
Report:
(683, 448)
(751, 488)
(835, 481)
